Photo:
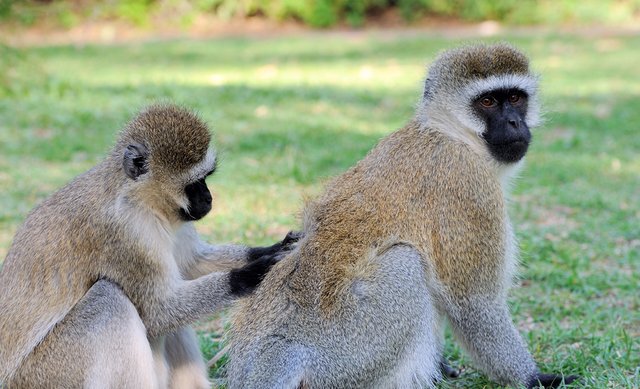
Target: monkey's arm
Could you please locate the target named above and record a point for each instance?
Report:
(484, 327)
(205, 258)
(184, 302)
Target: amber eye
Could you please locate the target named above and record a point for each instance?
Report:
(513, 99)
(487, 102)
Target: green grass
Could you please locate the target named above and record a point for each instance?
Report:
(290, 112)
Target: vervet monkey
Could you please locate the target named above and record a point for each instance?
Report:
(415, 233)
(104, 277)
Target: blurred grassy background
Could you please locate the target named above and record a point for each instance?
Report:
(289, 112)
(318, 13)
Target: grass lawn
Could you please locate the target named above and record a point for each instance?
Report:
(290, 112)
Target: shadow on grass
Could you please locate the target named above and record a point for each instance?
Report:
(256, 122)
(249, 52)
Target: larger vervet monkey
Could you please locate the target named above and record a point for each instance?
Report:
(415, 233)
(103, 269)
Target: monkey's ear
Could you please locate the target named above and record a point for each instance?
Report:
(135, 160)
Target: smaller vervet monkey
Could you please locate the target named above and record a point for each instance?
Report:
(416, 233)
(104, 277)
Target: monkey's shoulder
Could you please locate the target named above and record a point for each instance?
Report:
(455, 166)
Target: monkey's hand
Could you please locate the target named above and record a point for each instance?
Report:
(277, 250)
(551, 380)
(447, 370)
(246, 279)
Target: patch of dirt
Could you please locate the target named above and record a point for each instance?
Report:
(548, 216)
(555, 134)
(388, 25)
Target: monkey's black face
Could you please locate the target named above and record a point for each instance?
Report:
(199, 201)
(507, 134)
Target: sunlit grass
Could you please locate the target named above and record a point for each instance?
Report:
(289, 112)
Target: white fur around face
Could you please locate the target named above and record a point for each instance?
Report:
(529, 84)
(453, 115)
(197, 172)
(201, 168)
(450, 112)
(146, 227)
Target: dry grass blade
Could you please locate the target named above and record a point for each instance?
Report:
(212, 362)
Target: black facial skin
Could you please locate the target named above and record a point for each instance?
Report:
(507, 135)
(199, 201)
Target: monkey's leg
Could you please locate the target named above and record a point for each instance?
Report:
(398, 327)
(486, 331)
(186, 366)
(387, 335)
(485, 328)
(276, 363)
(101, 343)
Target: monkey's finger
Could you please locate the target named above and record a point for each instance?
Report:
(292, 237)
(272, 259)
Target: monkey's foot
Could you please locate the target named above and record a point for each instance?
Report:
(551, 380)
(447, 370)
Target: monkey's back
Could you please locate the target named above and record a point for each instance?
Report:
(43, 274)
(413, 188)
(416, 186)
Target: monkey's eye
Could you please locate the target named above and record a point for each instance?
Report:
(514, 98)
(487, 101)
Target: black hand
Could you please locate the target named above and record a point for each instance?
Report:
(551, 380)
(246, 279)
(292, 237)
(276, 249)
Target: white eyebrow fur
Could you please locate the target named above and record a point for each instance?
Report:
(201, 168)
(527, 83)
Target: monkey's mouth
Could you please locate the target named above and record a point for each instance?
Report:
(509, 151)
(517, 142)
(195, 213)
(515, 145)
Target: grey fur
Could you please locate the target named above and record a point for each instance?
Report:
(101, 342)
(361, 348)
(105, 268)
(414, 234)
